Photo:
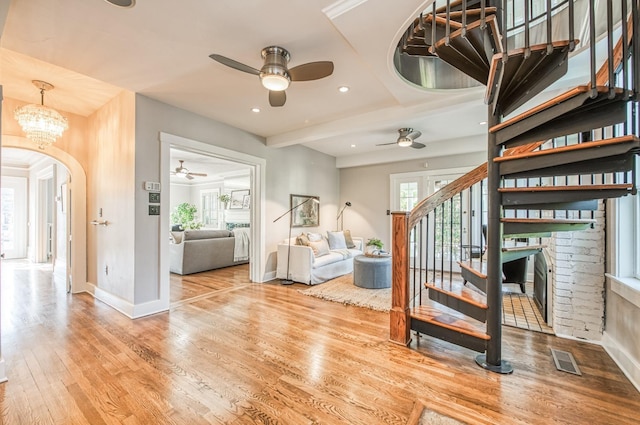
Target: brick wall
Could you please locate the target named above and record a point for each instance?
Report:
(578, 280)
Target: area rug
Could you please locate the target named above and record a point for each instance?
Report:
(343, 290)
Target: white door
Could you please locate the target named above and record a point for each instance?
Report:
(13, 227)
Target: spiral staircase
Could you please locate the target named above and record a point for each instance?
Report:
(547, 167)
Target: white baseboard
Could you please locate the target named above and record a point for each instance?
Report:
(268, 276)
(3, 373)
(130, 310)
(573, 338)
(625, 362)
(149, 308)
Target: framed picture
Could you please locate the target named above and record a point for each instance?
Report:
(237, 199)
(246, 202)
(307, 213)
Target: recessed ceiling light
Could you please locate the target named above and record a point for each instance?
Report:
(343, 89)
(122, 3)
(482, 123)
(353, 146)
(256, 110)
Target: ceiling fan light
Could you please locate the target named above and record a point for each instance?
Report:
(404, 142)
(274, 82)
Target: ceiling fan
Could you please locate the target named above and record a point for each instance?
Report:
(182, 171)
(274, 74)
(406, 138)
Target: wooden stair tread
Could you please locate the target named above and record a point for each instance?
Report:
(566, 188)
(436, 317)
(546, 105)
(461, 292)
(579, 146)
(526, 73)
(471, 12)
(452, 5)
(470, 266)
(522, 248)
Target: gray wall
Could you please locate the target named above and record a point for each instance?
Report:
(368, 190)
(295, 169)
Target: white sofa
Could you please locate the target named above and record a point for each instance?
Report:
(305, 267)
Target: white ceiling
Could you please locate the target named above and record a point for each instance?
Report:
(90, 49)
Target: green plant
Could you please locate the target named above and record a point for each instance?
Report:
(224, 198)
(185, 215)
(375, 242)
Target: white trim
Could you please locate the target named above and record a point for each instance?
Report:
(625, 362)
(3, 372)
(627, 287)
(113, 301)
(77, 275)
(149, 308)
(573, 338)
(258, 196)
(269, 276)
(341, 7)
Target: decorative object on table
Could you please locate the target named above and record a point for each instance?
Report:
(237, 198)
(374, 246)
(225, 199)
(309, 213)
(185, 215)
(246, 202)
(41, 124)
(340, 218)
(314, 200)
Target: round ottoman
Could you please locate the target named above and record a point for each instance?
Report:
(372, 272)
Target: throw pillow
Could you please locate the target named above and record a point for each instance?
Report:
(319, 248)
(302, 240)
(336, 240)
(314, 237)
(177, 237)
(348, 240)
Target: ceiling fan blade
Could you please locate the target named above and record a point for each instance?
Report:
(385, 144)
(189, 176)
(414, 135)
(198, 174)
(311, 71)
(417, 145)
(234, 64)
(277, 98)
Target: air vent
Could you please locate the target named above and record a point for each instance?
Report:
(565, 362)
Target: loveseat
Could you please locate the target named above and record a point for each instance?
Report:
(194, 251)
(316, 258)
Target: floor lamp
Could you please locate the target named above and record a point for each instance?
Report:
(346, 204)
(286, 280)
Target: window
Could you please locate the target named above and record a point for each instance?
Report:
(209, 208)
(408, 195)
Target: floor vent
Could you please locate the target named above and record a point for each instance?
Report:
(565, 362)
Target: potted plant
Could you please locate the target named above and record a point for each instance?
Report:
(185, 215)
(225, 199)
(374, 245)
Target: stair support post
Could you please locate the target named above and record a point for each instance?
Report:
(492, 360)
(399, 319)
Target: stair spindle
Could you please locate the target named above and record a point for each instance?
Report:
(549, 28)
(572, 38)
(433, 25)
(612, 79)
(527, 41)
(483, 15)
(448, 25)
(592, 47)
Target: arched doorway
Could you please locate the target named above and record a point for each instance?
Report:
(75, 203)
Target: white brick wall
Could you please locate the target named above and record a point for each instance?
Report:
(578, 280)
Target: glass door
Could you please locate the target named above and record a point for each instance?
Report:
(13, 207)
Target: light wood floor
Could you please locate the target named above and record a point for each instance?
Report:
(266, 354)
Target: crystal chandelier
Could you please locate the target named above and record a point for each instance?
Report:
(42, 125)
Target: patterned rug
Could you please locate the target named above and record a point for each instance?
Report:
(343, 290)
(518, 310)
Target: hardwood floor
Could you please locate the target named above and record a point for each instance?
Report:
(266, 354)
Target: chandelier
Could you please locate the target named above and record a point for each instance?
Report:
(42, 125)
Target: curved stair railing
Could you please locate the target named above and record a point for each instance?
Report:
(547, 167)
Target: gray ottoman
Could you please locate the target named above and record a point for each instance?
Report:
(372, 272)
